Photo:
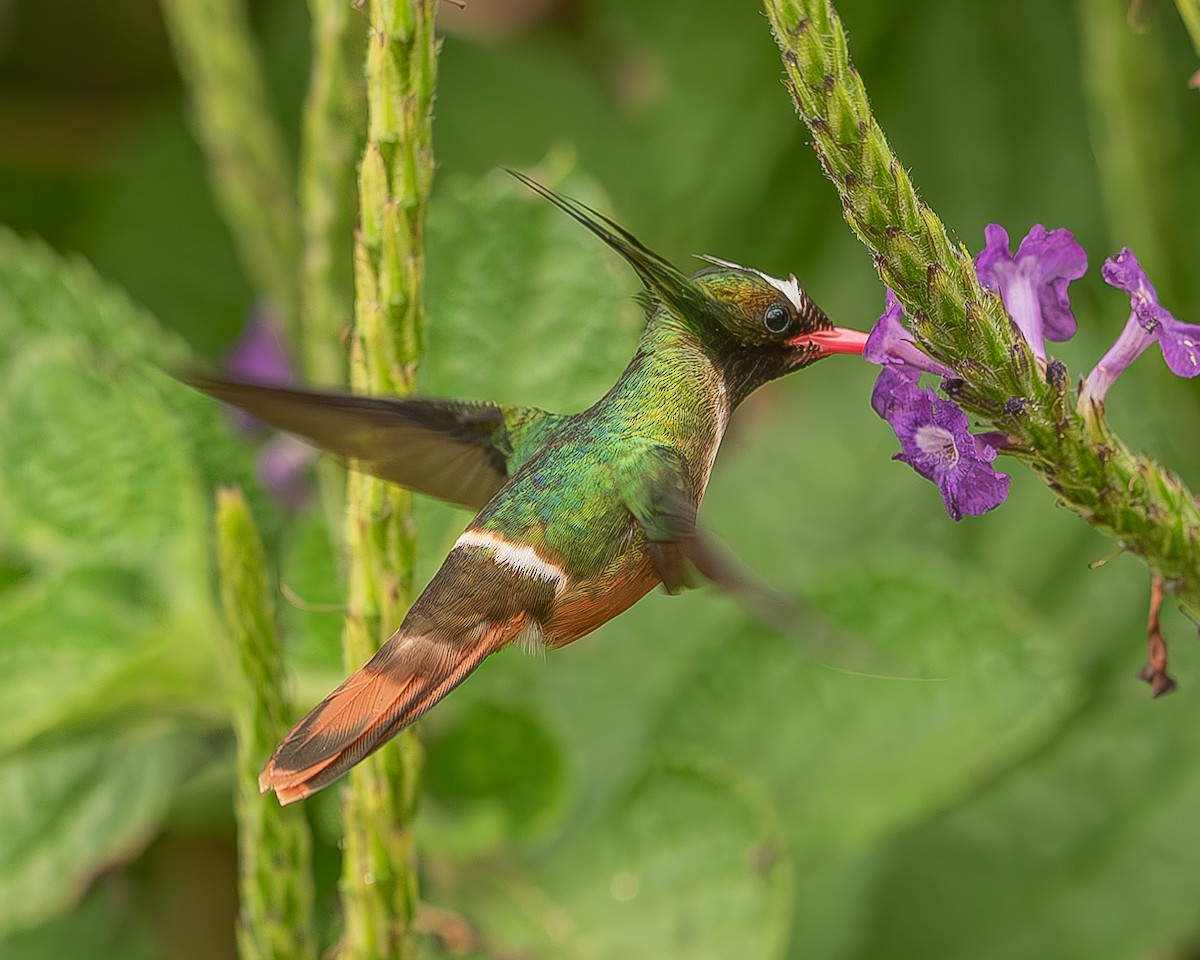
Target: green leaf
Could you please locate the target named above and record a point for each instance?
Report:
(90, 458)
(469, 778)
(531, 310)
(102, 923)
(850, 759)
(103, 505)
(689, 861)
(71, 806)
(312, 608)
(92, 643)
(108, 663)
(1087, 849)
(756, 702)
(42, 293)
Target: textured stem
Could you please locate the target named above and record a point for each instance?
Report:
(378, 876)
(248, 165)
(1143, 506)
(334, 118)
(274, 845)
(333, 123)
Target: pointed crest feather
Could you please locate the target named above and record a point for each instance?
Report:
(663, 281)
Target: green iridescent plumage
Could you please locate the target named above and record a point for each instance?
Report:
(579, 516)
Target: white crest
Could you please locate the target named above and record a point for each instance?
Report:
(790, 287)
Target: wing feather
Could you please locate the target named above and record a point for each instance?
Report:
(451, 450)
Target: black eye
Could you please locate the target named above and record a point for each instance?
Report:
(776, 318)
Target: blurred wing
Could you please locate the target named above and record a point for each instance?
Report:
(443, 448)
(663, 502)
(660, 495)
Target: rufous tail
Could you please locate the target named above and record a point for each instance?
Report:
(405, 678)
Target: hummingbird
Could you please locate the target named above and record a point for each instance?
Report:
(578, 516)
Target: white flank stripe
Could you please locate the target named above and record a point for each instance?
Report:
(790, 287)
(523, 559)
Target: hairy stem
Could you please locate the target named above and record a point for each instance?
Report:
(332, 133)
(334, 118)
(1130, 497)
(395, 174)
(248, 165)
(275, 921)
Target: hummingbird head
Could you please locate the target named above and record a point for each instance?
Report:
(756, 327)
(761, 327)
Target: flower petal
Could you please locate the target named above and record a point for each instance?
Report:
(1123, 271)
(936, 442)
(891, 344)
(1033, 284)
(260, 354)
(1060, 260)
(282, 468)
(894, 389)
(974, 490)
(1180, 342)
(995, 258)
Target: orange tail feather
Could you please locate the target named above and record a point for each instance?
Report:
(404, 679)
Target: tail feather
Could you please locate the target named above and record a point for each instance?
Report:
(405, 678)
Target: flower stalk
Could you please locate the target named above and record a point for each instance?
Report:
(275, 921)
(394, 177)
(332, 132)
(251, 174)
(333, 124)
(961, 325)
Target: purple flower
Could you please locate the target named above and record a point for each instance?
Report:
(935, 441)
(1033, 284)
(282, 468)
(892, 346)
(260, 355)
(1148, 321)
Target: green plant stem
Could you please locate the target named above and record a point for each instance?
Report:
(248, 165)
(1136, 149)
(378, 876)
(334, 116)
(1130, 497)
(275, 921)
(1189, 13)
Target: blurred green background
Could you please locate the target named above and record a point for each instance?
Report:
(683, 783)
